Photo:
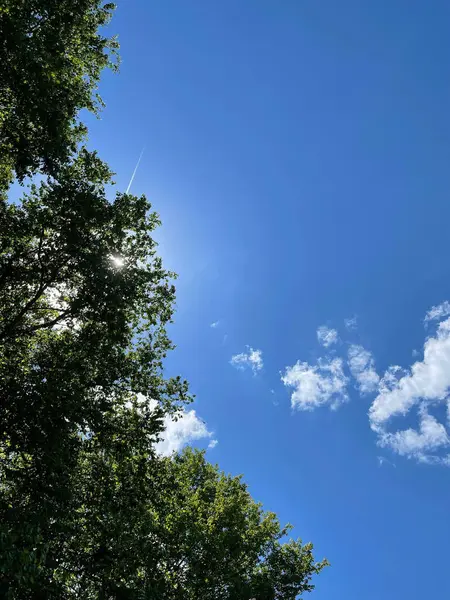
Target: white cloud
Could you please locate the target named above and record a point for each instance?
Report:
(215, 324)
(316, 385)
(327, 336)
(427, 382)
(431, 436)
(179, 431)
(177, 434)
(438, 312)
(422, 387)
(250, 359)
(362, 367)
(351, 323)
(382, 460)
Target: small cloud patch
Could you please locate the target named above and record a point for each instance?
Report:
(362, 367)
(252, 359)
(351, 324)
(326, 336)
(436, 313)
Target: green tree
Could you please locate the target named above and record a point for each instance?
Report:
(84, 302)
(51, 55)
(175, 528)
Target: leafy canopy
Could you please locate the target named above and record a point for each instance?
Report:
(52, 53)
(84, 303)
(178, 528)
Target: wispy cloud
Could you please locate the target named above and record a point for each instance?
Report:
(362, 367)
(382, 460)
(351, 323)
(215, 324)
(135, 170)
(327, 336)
(316, 385)
(436, 313)
(252, 359)
(212, 444)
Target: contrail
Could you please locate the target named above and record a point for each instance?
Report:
(135, 170)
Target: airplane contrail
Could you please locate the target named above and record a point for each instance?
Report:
(135, 170)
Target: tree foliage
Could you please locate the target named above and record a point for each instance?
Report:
(51, 55)
(84, 302)
(180, 530)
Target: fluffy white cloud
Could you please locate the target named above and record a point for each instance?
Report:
(362, 367)
(251, 359)
(316, 385)
(438, 312)
(327, 336)
(427, 380)
(186, 428)
(426, 383)
(431, 436)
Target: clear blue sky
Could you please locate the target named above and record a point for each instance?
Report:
(298, 153)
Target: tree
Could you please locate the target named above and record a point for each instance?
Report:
(174, 528)
(216, 543)
(51, 55)
(84, 302)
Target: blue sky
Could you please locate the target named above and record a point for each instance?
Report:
(297, 152)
